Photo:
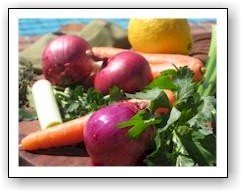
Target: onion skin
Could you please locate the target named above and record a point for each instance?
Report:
(127, 70)
(65, 62)
(108, 145)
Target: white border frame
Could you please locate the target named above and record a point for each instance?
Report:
(219, 171)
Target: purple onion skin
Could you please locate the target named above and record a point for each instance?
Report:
(65, 62)
(127, 70)
(108, 145)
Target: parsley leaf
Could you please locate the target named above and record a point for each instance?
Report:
(139, 123)
(201, 148)
(149, 94)
(26, 78)
(206, 114)
(161, 150)
(75, 101)
(145, 118)
(115, 94)
(163, 82)
(157, 97)
(187, 137)
(27, 114)
(185, 88)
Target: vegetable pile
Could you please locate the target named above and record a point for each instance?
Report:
(136, 109)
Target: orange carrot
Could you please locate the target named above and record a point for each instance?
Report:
(151, 57)
(171, 96)
(197, 68)
(159, 62)
(103, 52)
(171, 59)
(67, 133)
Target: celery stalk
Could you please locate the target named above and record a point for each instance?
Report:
(209, 81)
(211, 88)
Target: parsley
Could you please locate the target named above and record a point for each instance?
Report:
(75, 101)
(27, 114)
(184, 136)
(139, 122)
(157, 97)
(26, 78)
(26, 104)
(187, 139)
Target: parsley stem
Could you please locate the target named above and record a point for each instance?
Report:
(60, 93)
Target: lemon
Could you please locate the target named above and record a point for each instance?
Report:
(160, 35)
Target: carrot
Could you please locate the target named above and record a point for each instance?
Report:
(171, 59)
(64, 134)
(197, 68)
(153, 58)
(171, 96)
(104, 52)
(159, 62)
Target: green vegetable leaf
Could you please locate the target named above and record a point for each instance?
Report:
(181, 145)
(169, 72)
(157, 97)
(186, 137)
(182, 156)
(205, 116)
(30, 98)
(160, 101)
(72, 107)
(27, 115)
(161, 154)
(149, 94)
(185, 87)
(139, 123)
(184, 161)
(74, 102)
(163, 82)
(161, 150)
(115, 94)
(174, 116)
(199, 147)
(26, 77)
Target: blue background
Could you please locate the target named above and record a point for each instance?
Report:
(30, 27)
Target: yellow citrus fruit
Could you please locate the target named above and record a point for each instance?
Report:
(160, 35)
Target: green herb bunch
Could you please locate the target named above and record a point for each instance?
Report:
(75, 101)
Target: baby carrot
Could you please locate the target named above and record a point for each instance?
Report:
(64, 134)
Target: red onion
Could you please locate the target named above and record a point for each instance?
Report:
(127, 70)
(65, 61)
(108, 145)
